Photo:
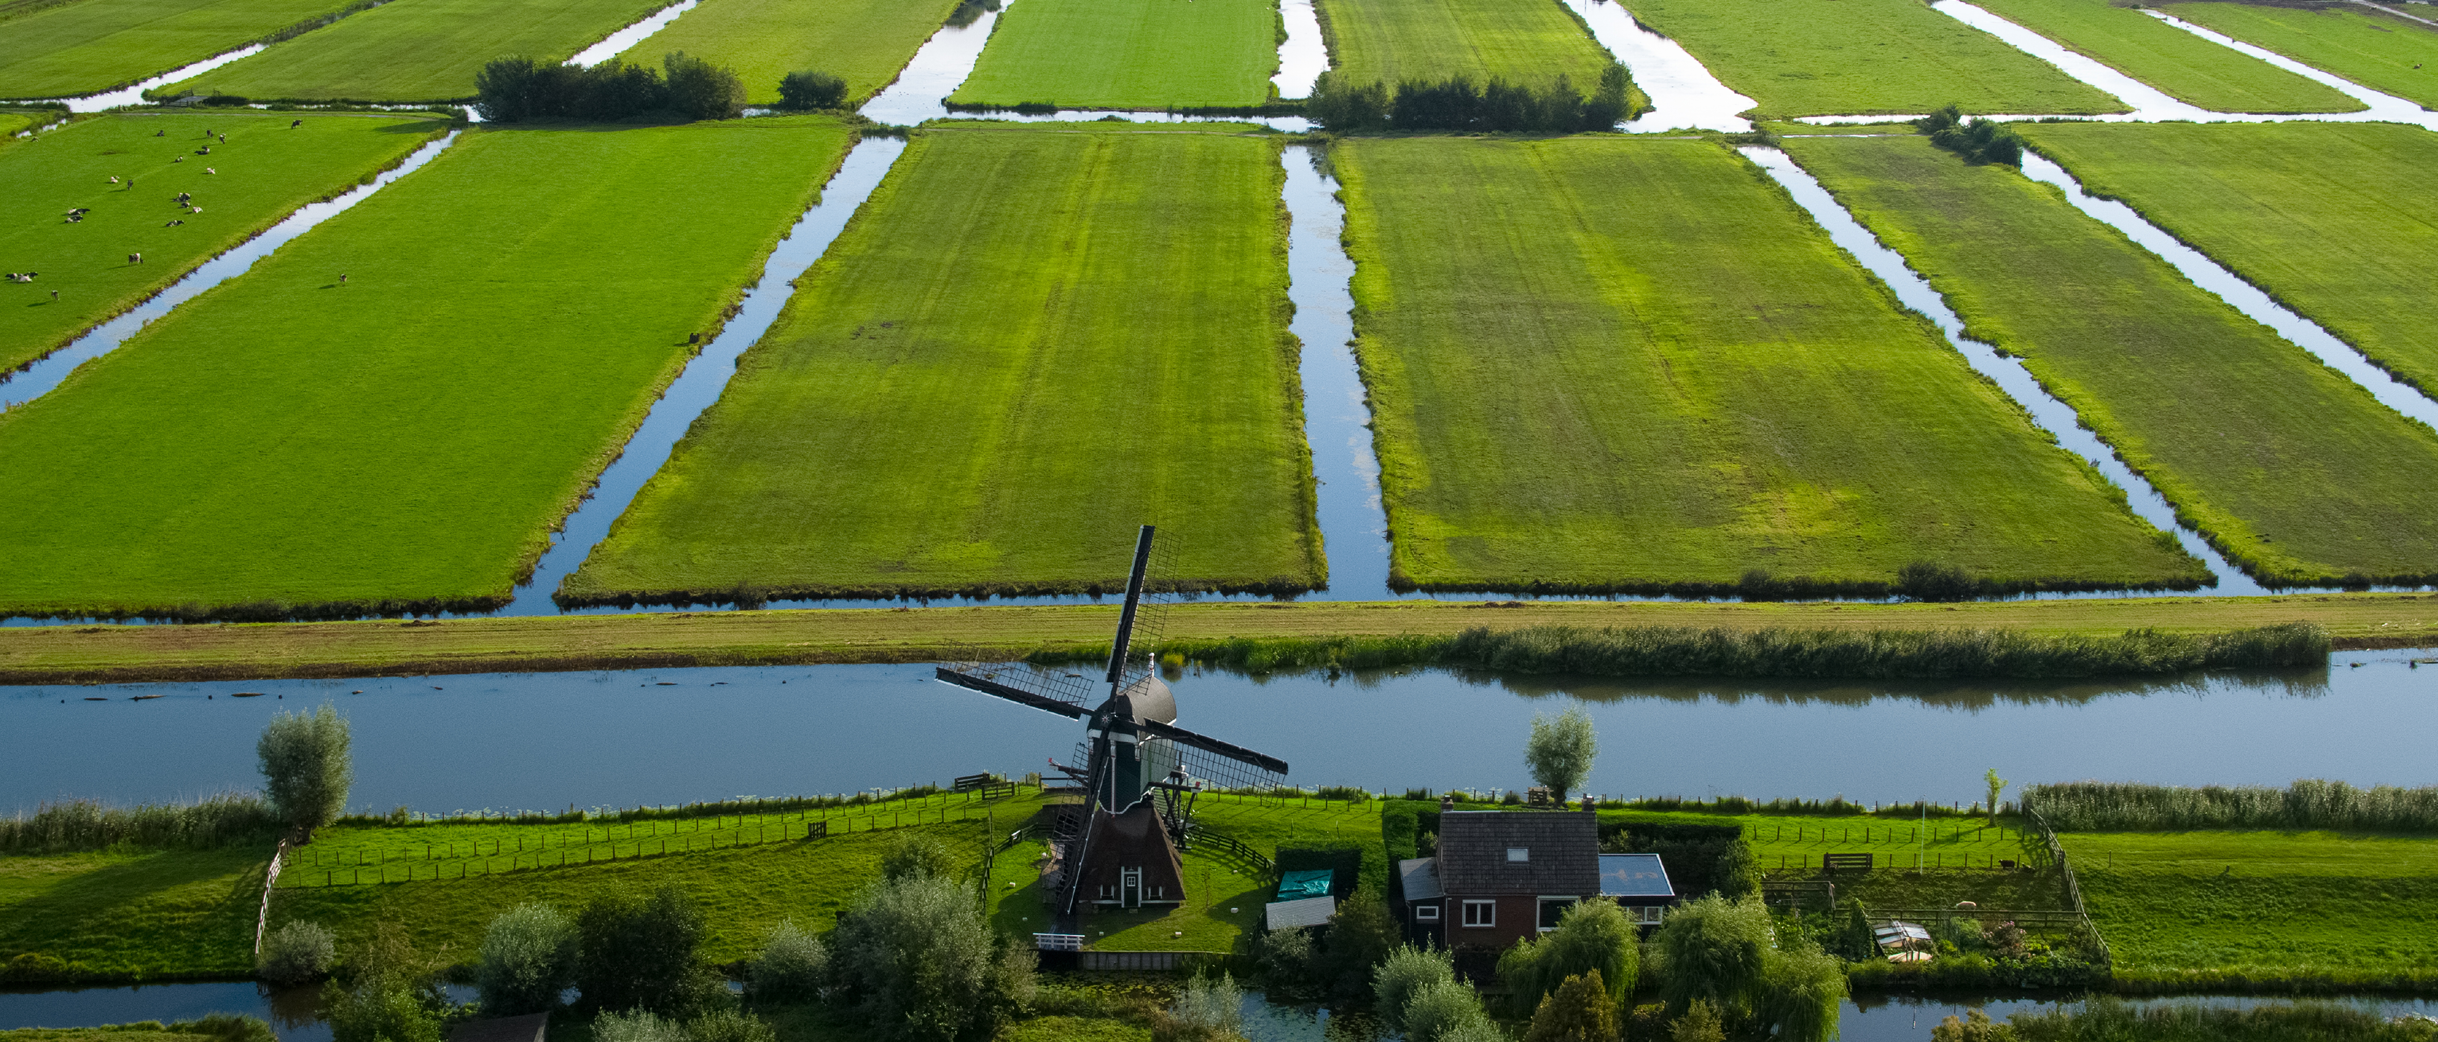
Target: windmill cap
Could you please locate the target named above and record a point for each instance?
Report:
(1148, 698)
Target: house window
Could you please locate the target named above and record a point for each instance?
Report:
(1426, 913)
(1481, 913)
(1553, 909)
(1519, 853)
(1644, 915)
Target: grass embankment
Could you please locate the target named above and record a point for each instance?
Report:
(99, 45)
(1000, 417)
(1521, 41)
(864, 42)
(312, 447)
(1604, 365)
(266, 172)
(130, 914)
(2186, 66)
(2393, 55)
(117, 654)
(1816, 57)
(2290, 468)
(1127, 54)
(218, 1027)
(2339, 221)
(418, 50)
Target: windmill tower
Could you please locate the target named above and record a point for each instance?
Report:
(1138, 771)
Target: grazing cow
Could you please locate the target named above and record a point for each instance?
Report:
(185, 197)
(295, 123)
(160, 133)
(224, 139)
(54, 296)
(177, 159)
(342, 278)
(194, 209)
(114, 180)
(204, 151)
(135, 258)
(209, 170)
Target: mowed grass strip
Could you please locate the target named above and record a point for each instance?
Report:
(122, 913)
(2394, 55)
(1521, 41)
(2186, 66)
(1821, 57)
(1128, 54)
(1106, 346)
(266, 171)
(1602, 364)
(864, 42)
(2337, 220)
(511, 311)
(98, 45)
(418, 50)
(2296, 472)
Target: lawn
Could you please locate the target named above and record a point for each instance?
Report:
(2296, 472)
(2186, 66)
(2338, 221)
(266, 171)
(134, 914)
(418, 50)
(98, 45)
(2322, 906)
(1127, 54)
(1602, 364)
(1820, 57)
(2389, 54)
(411, 434)
(864, 42)
(1521, 41)
(1108, 346)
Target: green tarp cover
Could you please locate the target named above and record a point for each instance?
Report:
(1311, 882)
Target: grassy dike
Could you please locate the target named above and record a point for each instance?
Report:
(109, 654)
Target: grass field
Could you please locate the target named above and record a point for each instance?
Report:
(1107, 347)
(409, 435)
(864, 42)
(96, 654)
(98, 45)
(2388, 54)
(418, 50)
(123, 914)
(2186, 66)
(1820, 57)
(1555, 411)
(1127, 54)
(2296, 472)
(2338, 221)
(2270, 906)
(266, 171)
(1521, 41)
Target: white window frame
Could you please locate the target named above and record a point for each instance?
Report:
(1426, 913)
(1519, 855)
(1645, 915)
(1489, 915)
(1543, 906)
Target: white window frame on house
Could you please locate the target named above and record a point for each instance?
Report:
(1426, 913)
(1645, 915)
(1488, 917)
(1542, 921)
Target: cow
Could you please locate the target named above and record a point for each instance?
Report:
(295, 123)
(135, 258)
(185, 197)
(342, 278)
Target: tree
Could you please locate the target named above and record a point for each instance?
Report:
(701, 90)
(791, 968)
(912, 854)
(1206, 1010)
(1714, 951)
(393, 995)
(1698, 1023)
(1561, 750)
(1593, 939)
(1403, 975)
(811, 89)
(1996, 785)
(1361, 934)
(305, 768)
(1802, 989)
(528, 959)
(1447, 1011)
(1610, 103)
(641, 953)
(1580, 1010)
(915, 960)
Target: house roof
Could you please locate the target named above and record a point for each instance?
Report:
(1634, 875)
(1560, 853)
(1421, 876)
(1289, 915)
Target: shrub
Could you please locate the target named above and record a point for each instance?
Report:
(1579, 1010)
(394, 994)
(1801, 990)
(914, 960)
(1460, 105)
(89, 825)
(1699, 1023)
(1361, 934)
(791, 967)
(1714, 949)
(1981, 141)
(297, 952)
(528, 959)
(1925, 581)
(1345, 107)
(1561, 750)
(912, 854)
(639, 953)
(729, 1025)
(1446, 1011)
(701, 90)
(1287, 957)
(519, 89)
(1593, 940)
(636, 1026)
(811, 89)
(1404, 974)
(1206, 1010)
(305, 767)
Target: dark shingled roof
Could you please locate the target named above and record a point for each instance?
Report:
(1564, 853)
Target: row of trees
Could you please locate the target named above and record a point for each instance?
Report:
(519, 89)
(1460, 104)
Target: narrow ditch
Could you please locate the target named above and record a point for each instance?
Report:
(134, 95)
(617, 43)
(1684, 95)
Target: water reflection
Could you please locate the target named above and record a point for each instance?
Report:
(1337, 411)
(1303, 56)
(134, 95)
(616, 42)
(1683, 93)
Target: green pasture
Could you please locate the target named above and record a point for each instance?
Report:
(864, 42)
(2393, 55)
(2295, 471)
(2186, 66)
(418, 50)
(2337, 220)
(1610, 364)
(2335, 908)
(1128, 54)
(1823, 57)
(511, 312)
(265, 172)
(1106, 346)
(98, 45)
(1520, 41)
(132, 913)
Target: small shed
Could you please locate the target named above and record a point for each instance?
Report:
(1639, 883)
(1300, 913)
(1418, 882)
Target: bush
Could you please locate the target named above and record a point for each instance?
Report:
(1802, 989)
(1593, 940)
(701, 90)
(913, 959)
(1361, 934)
(1459, 105)
(1287, 957)
(1699, 1023)
(729, 1025)
(305, 767)
(394, 994)
(520, 89)
(791, 967)
(528, 960)
(912, 854)
(1403, 975)
(1981, 141)
(1714, 950)
(1938, 583)
(639, 953)
(811, 89)
(1206, 1010)
(1579, 1010)
(636, 1026)
(297, 952)
(88, 825)
(1447, 1011)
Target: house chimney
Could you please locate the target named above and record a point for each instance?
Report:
(1446, 804)
(1590, 805)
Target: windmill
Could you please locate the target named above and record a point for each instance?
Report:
(1138, 771)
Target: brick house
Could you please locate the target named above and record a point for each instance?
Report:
(1502, 876)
